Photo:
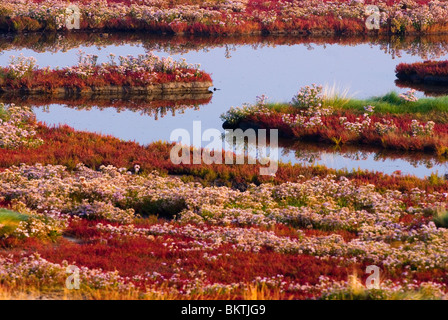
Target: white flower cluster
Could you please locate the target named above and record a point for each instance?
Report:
(409, 96)
(43, 273)
(21, 66)
(17, 127)
(419, 129)
(357, 127)
(308, 96)
(234, 115)
(320, 203)
(102, 210)
(309, 100)
(42, 225)
(144, 63)
(385, 126)
(354, 289)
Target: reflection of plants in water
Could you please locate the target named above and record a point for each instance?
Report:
(425, 47)
(306, 155)
(431, 47)
(428, 89)
(244, 146)
(249, 144)
(229, 49)
(428, 163)
(157, 108)
(157, 112)
(310, 153)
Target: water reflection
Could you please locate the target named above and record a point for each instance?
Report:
(428, 89)
(350, 157)
(153, 106)
(425, 47)
(315, 153)
(243, 68)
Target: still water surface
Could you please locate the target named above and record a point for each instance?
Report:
(241, 72)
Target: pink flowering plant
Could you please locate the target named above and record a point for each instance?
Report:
(17, 127)
(235, 16)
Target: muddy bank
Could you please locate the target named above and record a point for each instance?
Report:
(169, 91)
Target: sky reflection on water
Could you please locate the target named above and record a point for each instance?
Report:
(277, 72)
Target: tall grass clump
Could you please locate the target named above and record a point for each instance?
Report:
(441, 218)
(335, 96)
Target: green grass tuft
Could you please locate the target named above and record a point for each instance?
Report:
(9, 220)
(425, 109)
(392, 103)
(441, 218)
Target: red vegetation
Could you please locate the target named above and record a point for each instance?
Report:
(316, 24)
(252, 3)
(140, 256)
(422, 69)
(333, 130)
(48, 80)
(65, 146)
(137, 256)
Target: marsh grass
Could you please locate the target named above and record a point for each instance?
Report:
(425, 109)
(3, 112)
(336, 96)
(389, 103)
(441, 218)
(163, 292)
(393, 104)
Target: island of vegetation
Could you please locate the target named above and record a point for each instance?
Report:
(143, 75)
(426, 73)
(393, 121)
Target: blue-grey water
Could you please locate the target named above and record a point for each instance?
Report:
(364, 70)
